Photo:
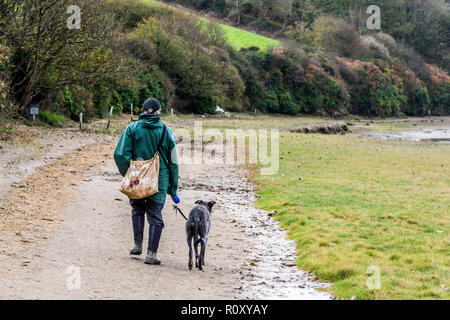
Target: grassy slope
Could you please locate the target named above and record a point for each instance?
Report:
(239, 38)
(353, 203)
(364, 203)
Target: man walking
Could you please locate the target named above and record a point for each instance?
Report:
(140, 141)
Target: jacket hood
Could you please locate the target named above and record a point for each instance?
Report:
(150, 121)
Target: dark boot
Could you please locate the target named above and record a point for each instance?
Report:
(152, 259)
(137, 249)
(154, 235)
(138, 218)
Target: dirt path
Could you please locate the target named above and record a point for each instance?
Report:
(83, 228)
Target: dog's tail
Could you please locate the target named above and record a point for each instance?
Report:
(200, 240)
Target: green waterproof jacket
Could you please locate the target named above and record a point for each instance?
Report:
(140, 141)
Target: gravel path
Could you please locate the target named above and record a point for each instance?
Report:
(85, 255)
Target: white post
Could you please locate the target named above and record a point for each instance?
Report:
(131, 112)
(81, 119)
(171, 112)
(110, 116)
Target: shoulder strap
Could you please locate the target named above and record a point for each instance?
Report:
(160, 144)
(162, 137)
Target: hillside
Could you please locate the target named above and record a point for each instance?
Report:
(238, 38)
(422, 24)
(133, 49)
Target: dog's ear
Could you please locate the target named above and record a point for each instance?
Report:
(198, 202)
(211, 204)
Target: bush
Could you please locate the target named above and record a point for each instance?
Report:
(206, 104)
(131, 12)
(102, 99)
(68, 104)
(5, 76)
(335, 35)
(52, 119)
(287, 105)
(423, 100)
(75, 100)
(324, 95)
(270, 103)
(440, 100)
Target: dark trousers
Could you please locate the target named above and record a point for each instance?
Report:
(154, 216)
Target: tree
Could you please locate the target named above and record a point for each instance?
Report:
(46, 54)
(284, 7)
(235, 6)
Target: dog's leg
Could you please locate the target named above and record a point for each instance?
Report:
(189, 240)
(189, 233)
(202, 254)
(196, 250)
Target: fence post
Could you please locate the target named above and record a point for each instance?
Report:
(110, 116)
(81, 119)
(131, 112)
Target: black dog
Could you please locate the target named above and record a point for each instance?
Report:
(197, 228)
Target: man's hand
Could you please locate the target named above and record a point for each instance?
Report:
(176, 199)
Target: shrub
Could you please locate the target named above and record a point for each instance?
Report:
(75, 100)
(440, 100)
(102, 99)
(335, 35)
(374, 48)
(68, 104)
(205, 105)
(52, 119)
(116, 102)
(423, 100)
(287, 104)
(5, 76)
(132, 12)
(270, 102)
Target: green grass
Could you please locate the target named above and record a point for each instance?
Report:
(351, 203)
(239, 38)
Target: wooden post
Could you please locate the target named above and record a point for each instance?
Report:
(81, 119)
(110, 116)
(131, 112)
(171, 112)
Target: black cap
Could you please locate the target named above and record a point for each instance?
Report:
(151, 105)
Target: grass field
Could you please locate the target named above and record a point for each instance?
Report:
(239, 38)
(352, 203)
